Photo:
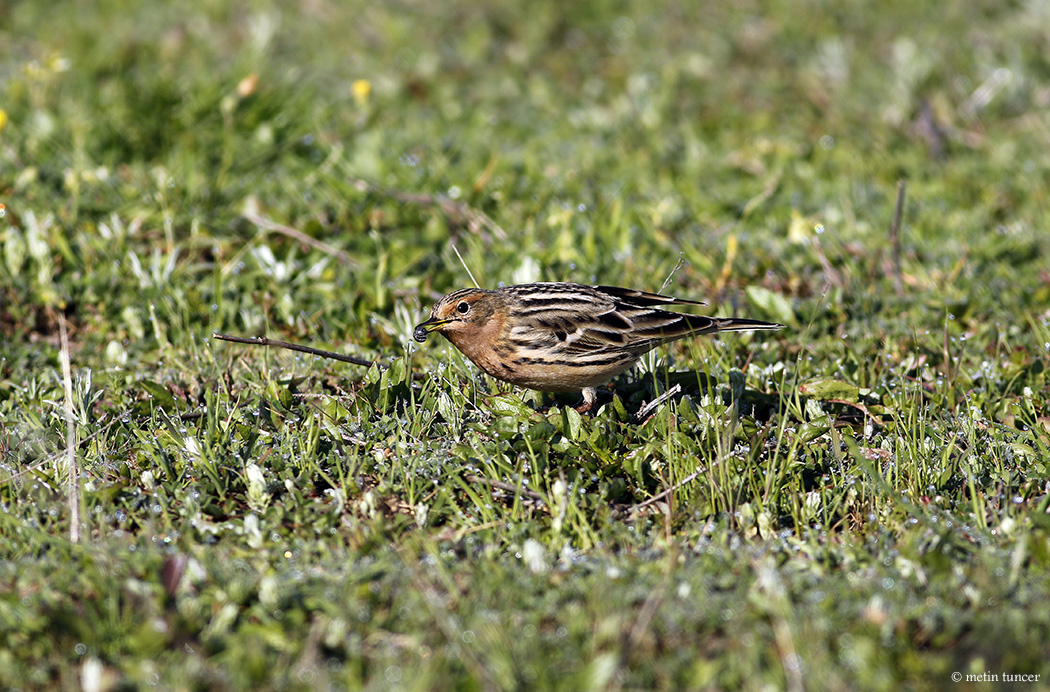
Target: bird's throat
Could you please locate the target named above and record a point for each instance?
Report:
(481, 344)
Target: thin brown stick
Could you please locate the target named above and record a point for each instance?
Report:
(895, 238)
(264, 341)
(656, 498)
(509, 487)
(644, 411)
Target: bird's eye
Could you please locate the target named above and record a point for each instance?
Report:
(463, 307)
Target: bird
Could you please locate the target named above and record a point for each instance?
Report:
(565, 337)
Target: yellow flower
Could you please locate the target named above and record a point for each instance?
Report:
(362, 89)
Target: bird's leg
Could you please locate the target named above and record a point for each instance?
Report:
(590, 395)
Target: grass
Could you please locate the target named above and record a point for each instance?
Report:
(859, 501)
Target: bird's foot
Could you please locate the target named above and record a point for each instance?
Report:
(590, 395)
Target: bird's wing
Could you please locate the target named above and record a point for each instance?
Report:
(629, 327)
(632, 296)
(572, 320)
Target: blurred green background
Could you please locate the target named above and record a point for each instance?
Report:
(871, 505)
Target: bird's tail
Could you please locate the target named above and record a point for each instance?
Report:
(732, 324)
(665, 326)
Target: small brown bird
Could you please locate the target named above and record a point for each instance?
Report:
(564, 337)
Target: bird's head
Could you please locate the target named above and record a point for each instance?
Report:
(459, 313)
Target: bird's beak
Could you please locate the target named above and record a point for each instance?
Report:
(431, 325)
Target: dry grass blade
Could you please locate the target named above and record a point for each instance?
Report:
(268, 225)
(509, 487)
(895, 238)
(458, 213)
(71, 435)
(661, 495)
